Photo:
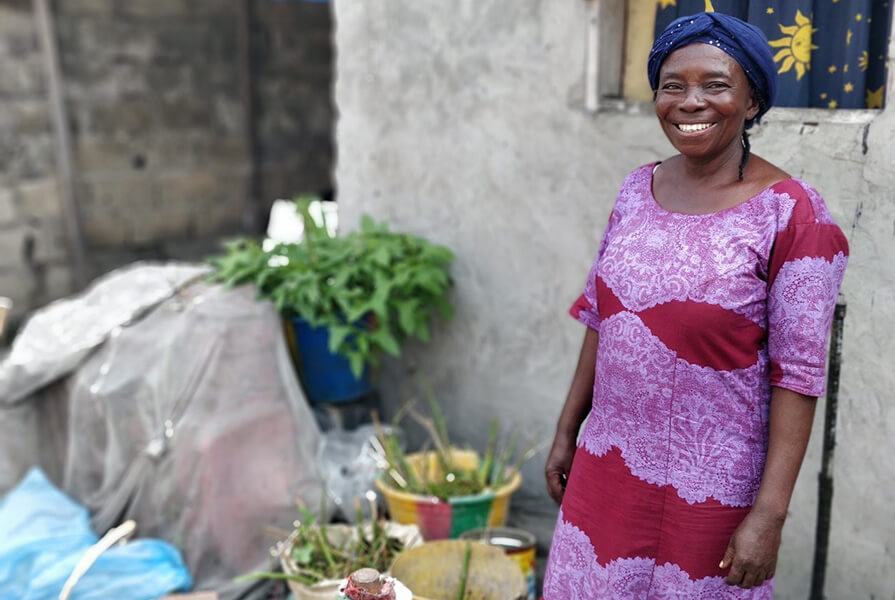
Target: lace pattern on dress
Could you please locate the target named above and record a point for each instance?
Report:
(821, 213)
(670, 256)
(799, 316)
(702, 431)
(573, 573)
(591, 316)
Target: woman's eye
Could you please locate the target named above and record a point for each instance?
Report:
(717, 85)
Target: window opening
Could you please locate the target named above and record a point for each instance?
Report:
(828, 54)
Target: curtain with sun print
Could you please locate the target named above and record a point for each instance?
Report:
(829, 53)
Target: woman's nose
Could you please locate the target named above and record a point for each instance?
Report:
(693, 99)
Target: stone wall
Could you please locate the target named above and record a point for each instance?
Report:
(161, 157)
(455, 123)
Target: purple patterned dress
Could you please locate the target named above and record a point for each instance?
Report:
(698, 316)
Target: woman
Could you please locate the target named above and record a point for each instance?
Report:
(711, 298)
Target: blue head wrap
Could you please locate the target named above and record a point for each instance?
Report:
(744, 42)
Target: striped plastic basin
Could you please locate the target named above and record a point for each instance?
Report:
(438, 519)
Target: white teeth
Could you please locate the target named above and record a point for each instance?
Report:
(694, 127)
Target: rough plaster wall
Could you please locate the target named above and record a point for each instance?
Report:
(454, 123)
(839, 161)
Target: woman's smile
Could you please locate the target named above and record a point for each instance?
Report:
(694, 128)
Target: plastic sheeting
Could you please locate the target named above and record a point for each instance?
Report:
(56, 339)
(187, 418)
(43, 534)
(350, 463)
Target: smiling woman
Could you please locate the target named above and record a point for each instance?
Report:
(707, 310)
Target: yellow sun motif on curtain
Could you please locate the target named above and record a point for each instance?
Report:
(797, 46)
(864, 60)
(874, 98)
(666, 3)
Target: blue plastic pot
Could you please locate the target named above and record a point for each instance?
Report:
(326, 377)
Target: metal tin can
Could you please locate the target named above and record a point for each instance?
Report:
(518, 544)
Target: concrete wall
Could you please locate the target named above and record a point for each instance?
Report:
(157, 123)
(455, 122)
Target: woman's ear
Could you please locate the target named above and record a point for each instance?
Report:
(754, 106)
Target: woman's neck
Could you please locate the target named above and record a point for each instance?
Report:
(721, 168)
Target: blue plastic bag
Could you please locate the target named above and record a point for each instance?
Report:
(43, 534)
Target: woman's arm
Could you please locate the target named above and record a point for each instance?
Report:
(752, 551)
(574, 411)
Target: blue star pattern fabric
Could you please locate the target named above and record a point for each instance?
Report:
(828, 54)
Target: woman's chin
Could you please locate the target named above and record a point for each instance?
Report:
(695, 151)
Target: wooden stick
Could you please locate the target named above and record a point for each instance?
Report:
(65, 171)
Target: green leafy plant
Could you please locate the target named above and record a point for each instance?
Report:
(317, 556)
(371, 288)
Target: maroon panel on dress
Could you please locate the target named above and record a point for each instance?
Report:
(640, 519)
(704, 334)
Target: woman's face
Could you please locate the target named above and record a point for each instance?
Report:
(703, 100)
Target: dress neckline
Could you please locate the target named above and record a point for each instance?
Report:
(655, 203)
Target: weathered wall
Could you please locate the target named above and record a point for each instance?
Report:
(33, 267)
(293, 57)
(153, 94)
(454, 123)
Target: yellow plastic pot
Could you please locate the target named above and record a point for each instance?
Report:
(438, 519)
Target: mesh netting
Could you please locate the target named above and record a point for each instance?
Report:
(185, 416)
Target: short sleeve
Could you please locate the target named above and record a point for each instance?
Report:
(584, 309)
(805, 271)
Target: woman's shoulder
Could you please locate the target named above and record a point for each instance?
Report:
(814, 208)
(801, 200)
(637, 183)
(805, 203)
(641, 175)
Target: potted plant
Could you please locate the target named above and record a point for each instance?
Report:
(316, 558)
(350, 297)
(448, 490)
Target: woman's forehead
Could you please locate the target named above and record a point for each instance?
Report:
(700, 58)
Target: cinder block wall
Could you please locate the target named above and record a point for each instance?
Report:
(157, 123)
(152, 89)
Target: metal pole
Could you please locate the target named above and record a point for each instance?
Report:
(825, 477)
(65, 172)
(592, 75)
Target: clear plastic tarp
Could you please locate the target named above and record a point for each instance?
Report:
(183, 414)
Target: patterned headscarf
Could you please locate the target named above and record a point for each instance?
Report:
(744, 42)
